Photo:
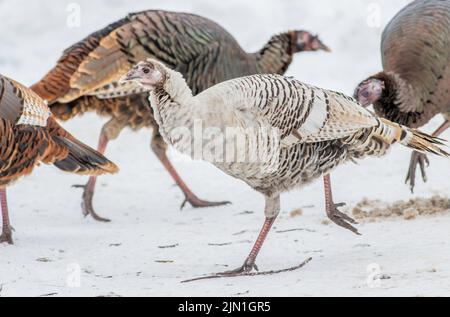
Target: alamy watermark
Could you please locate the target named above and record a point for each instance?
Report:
(374, 15)
(219, 145)
(73, 278)
(74, 15)
(375, 276)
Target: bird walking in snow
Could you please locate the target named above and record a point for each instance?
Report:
(300, 132)
(204, 52)
(29, 136)
(414, 86)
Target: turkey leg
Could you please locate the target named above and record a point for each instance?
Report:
(333, 212)
(421, 160)
(272, 211)
(110, 131)
(6, 236)
(159, 147)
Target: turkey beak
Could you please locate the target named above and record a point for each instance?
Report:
(130, 76)
(319, 46)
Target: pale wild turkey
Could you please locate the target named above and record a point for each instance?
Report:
(30, 135)
(305, 132)
(415, 84)
(202, 50)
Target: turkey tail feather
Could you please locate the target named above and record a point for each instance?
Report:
(82, 159)
(391, 132)
(71, 155)
(44, 93)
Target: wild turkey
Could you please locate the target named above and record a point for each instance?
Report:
(202, 50)
(300, 132)
(414, 86)
(30, 135)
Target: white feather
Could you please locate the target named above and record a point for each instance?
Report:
(317, 117)
(35, 116)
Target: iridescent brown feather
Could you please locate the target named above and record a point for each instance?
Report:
(29, 135)
(199, 48)
(416, 62)
(57, 82)
(23, 146)
(413, 87)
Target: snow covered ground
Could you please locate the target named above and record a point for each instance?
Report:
(54, 241)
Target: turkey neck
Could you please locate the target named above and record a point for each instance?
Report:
(173, 106)
(398, 96)
(277, 55)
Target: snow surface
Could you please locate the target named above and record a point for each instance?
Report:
(124, 258)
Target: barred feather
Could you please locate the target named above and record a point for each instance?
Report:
(30, 136)
(318, 129)
(204, 52)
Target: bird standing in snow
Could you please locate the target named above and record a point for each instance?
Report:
(300, 132)
(200, 49)
(414, 86)
(29, 136)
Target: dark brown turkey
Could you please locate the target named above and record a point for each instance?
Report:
(415, 84)
(29, 135)
(200, 49)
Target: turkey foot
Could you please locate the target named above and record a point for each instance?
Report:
(6, 236)
(421, 160)
(245, 269)
(196, 202)
(241, 272)
(340, 218)
(86, 205)
(190, 197)
(333, 212)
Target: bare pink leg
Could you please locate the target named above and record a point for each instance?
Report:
(333, 212)
(6, 236)
(421, 160)
(89, 188)
(250, 263)
(191, 198)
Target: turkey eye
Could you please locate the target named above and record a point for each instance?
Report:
(146, 70)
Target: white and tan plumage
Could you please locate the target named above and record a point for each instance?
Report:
(317, 129)
(85, 77)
